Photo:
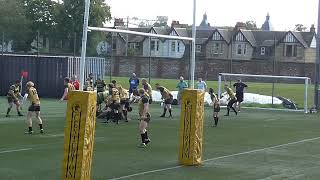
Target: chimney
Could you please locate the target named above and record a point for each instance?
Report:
(313, 29)
(118, 22)
(175, 23)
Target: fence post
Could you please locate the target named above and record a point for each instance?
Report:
(2, 43)
(74, 44)
(38, 36)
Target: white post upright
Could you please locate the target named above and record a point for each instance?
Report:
(84, 42)
(193, 56)
(306, 82)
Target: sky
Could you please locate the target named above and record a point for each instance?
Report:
(284, 14)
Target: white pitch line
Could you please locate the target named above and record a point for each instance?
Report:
(217, 158)
(15, 150)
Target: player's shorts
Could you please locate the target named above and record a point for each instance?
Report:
(216, 108)
(115, 106)
(11, 100)
(125, 103)
(169, 100)
(34, 108)
(148, 118)
(239, 97)
(231, 102)
(131, 90)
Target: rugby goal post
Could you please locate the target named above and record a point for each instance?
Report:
(223, 76)
(86, 28)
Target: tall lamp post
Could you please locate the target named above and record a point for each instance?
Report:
(317, 75)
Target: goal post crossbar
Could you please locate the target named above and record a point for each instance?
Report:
(306, 83)
(104, 29)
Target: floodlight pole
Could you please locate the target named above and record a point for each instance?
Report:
(193, 56)
(84, 42)
(317, 74)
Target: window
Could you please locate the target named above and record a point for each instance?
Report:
(152, 45)
(291, 51)
(239, 49)
(137, 45)
(173, 46)
(218, 48)
(157, 43)
(263, 51)
(178, 47)
(198, 48)
(114, 46)
(244, 49)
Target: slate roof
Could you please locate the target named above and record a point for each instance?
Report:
(254, 37)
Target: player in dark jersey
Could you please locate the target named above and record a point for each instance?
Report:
(100, 85)
(216, 106)
(239, 86)
(144, 117)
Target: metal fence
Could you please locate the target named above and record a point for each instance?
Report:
(48, 72)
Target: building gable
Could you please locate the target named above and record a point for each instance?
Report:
(240, 37)
(289, 38)
(313, 42)
(173, 33)
(216, 36)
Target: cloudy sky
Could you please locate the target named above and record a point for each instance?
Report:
(284, 13)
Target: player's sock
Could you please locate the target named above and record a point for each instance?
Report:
(234, 110)
(125, 113)
(8, 111)
(143, 138)
(228, 111)
(19, 113)
(170, 112)
(30, 129)
(40, 126)
(117, 117)
(146, 133)
(164, 112)
(216, 121)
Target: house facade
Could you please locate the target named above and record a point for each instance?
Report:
(223, 43)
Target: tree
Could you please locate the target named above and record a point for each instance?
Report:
(15, 25)
(72, 20)
(251, 25)
(300, 27)
(161, 21)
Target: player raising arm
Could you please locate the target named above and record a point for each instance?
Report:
(33, 108)
(67, 88)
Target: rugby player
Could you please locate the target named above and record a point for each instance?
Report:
(239, 86)
(13, 96)
(232, 100)
(34, 108)
(215, 105)
(144, 117)
(148, 89)
(168, 98)
(68, 87)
